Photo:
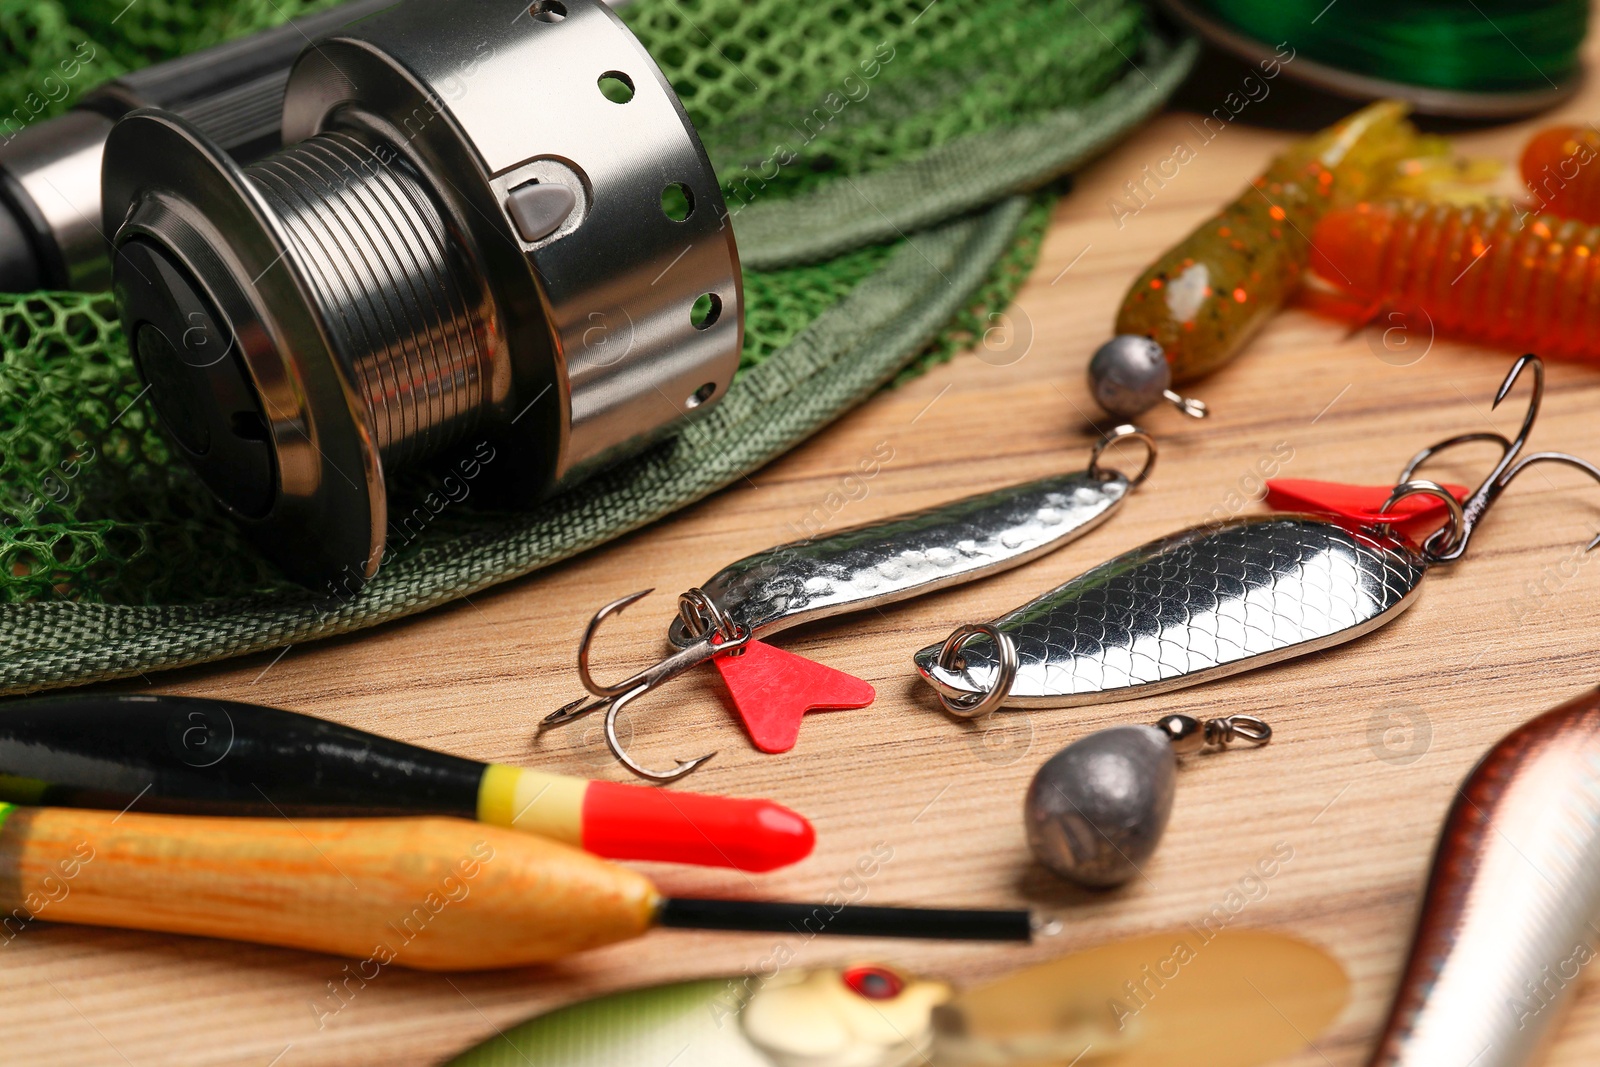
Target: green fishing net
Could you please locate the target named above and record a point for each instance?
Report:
(872, 153)
(842, 88)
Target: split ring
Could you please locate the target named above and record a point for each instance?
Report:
(979, 705)
(702, 616)
(1453, 531)
(1124, 432)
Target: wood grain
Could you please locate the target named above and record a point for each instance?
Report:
(1372, 738)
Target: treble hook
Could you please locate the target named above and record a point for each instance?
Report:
(1449, 542)
(680, 767)
(717, 639)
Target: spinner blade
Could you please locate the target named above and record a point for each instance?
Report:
(1207, 602)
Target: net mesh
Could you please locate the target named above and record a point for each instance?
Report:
(92, 504)
(96, 508)
(787, 97)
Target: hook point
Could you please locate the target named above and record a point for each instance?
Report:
(1512, 375)
(679, 769)
(616, 606)
(567, 712)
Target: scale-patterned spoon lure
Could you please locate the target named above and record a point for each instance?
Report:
(1207, 602)
(1218, 599)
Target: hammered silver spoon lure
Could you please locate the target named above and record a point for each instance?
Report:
(857, 568)
(1220, 598)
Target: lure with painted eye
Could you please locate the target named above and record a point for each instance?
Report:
(1072, 1010)
(1200, 302)
(1483, 272)
(862, 1016)
(1558, 165)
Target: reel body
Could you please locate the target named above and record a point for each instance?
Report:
(492, 232)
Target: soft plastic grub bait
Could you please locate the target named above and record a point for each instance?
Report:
(1193, 309)
(1196, 306)
(1483, 272)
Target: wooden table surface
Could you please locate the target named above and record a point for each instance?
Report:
(1372, 738)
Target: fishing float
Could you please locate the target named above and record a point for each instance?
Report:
(189, 755)
(428, 893)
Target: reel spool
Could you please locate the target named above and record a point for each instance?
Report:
(493, 231)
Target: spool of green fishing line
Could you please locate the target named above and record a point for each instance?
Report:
(1465, 58)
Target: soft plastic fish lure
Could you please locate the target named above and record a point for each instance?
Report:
(1193, 309)
(1508, 921)
(1079, 1009)
(1482, 272)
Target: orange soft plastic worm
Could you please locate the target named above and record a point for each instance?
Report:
(1484, 272)
(1562, 168)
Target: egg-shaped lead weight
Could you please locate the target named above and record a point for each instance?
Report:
(1096, 810)
(1128, 374)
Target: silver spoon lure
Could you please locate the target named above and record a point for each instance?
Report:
(1220, 598)
(857, 568)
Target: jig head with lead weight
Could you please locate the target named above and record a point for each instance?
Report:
(1195, 307)
(860, 567)
(1220, 598)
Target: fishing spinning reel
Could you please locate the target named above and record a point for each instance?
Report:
(493, 234)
